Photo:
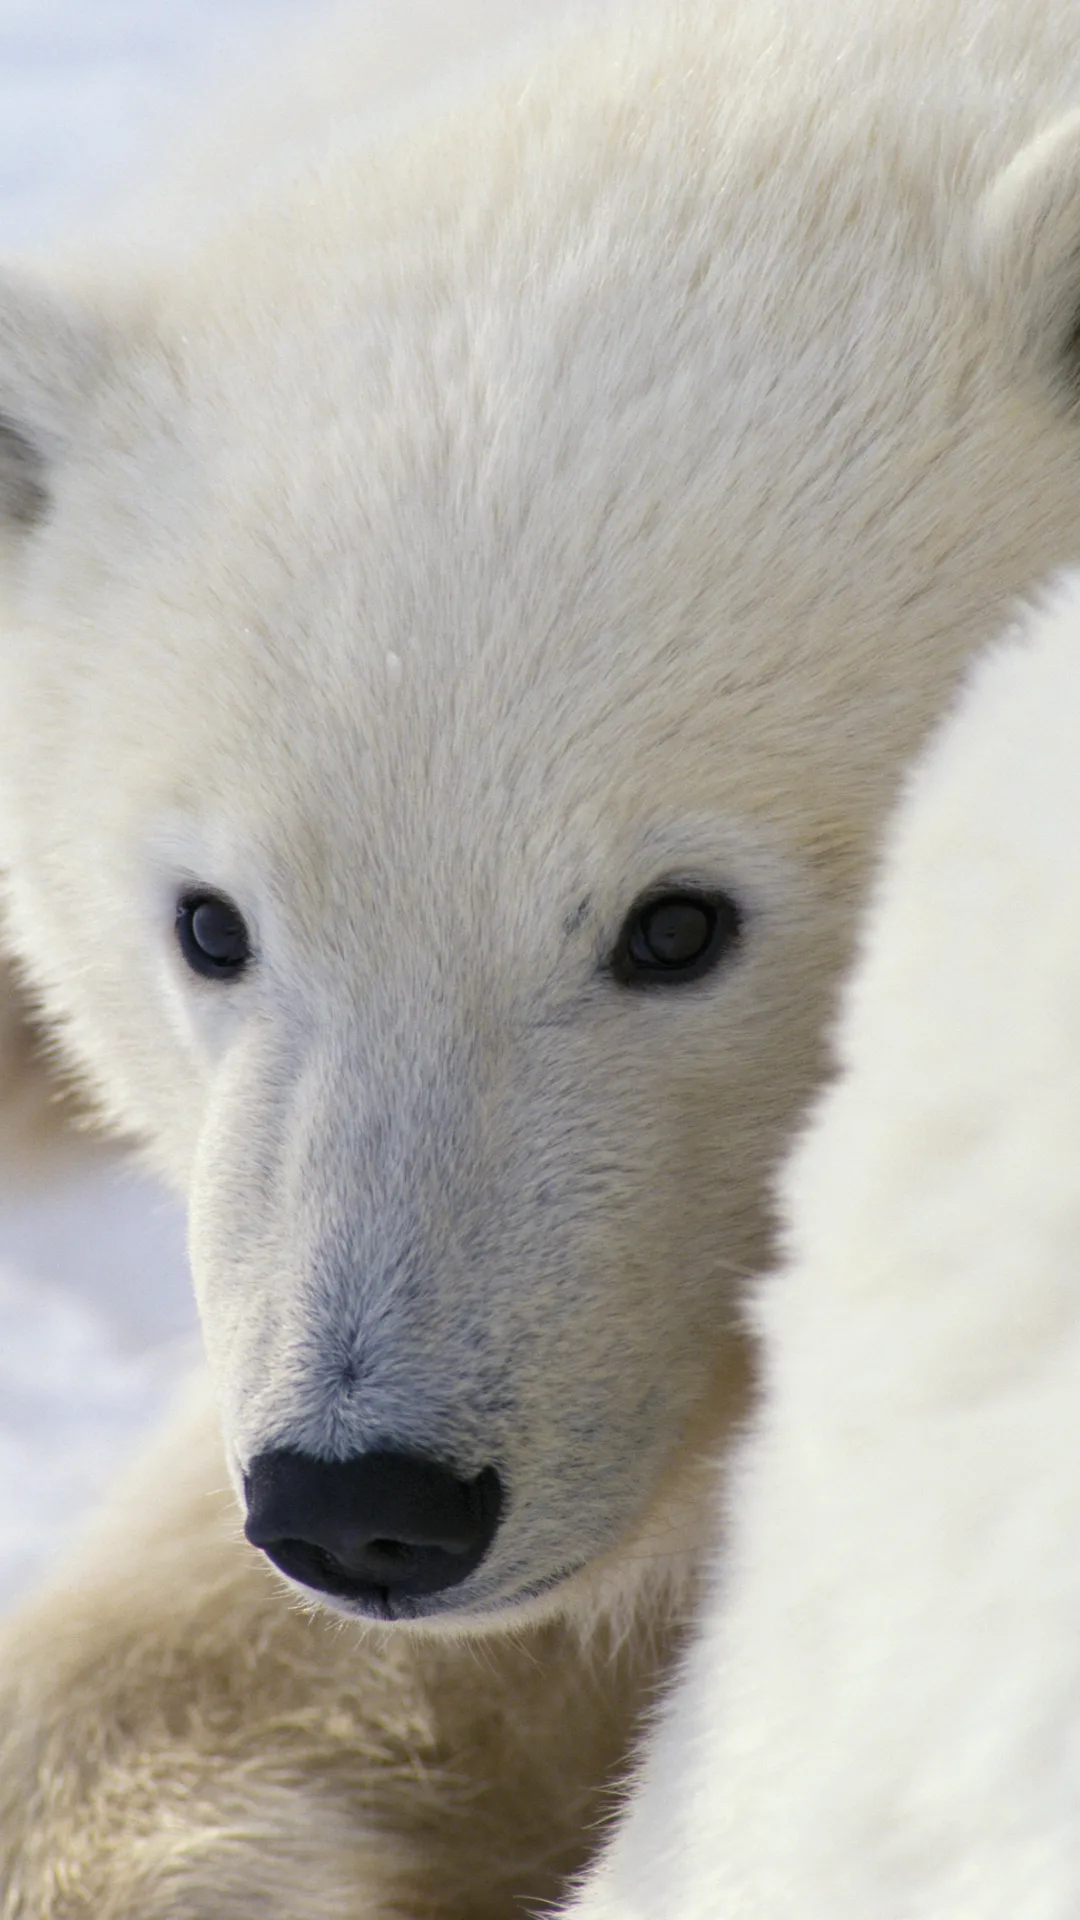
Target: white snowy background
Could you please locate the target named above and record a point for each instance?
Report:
(96, 1321)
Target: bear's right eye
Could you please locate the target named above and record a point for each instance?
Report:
(212, 935)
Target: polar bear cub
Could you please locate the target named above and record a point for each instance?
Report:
(465, 600)
(882, 1716)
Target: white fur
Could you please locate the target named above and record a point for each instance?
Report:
(882, 1715)
(465, 524)
(428, 1116)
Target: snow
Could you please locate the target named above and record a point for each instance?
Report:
(76, 1396)
(85, 86)
(96, 1320)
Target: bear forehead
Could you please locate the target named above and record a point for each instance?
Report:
(519, 309)
(546, 443)
(551, 516)
(629, 326)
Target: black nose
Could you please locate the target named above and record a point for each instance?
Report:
(374, 1528)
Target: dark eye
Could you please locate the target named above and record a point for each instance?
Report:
(213, 938)
(671, 938)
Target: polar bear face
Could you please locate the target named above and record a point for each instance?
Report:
(460, 640)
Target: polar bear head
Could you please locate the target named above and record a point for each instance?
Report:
(463, 616)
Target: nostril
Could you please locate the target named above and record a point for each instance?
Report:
(390, 1550)
(378, 1525)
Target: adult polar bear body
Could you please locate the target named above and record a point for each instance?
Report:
(881, 1714)
(482, 530)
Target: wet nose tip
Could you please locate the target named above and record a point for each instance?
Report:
(373, 1527)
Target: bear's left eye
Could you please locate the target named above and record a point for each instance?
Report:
(670, 938)
(212, 935)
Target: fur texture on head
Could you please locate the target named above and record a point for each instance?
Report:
(880, 1716)
(582, 496)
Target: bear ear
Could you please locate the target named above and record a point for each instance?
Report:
(51, 355)
(1027, 249)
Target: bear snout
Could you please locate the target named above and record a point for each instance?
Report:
(377, 1529)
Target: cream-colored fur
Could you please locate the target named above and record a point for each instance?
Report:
(469, 527)
(880, 1717)
(31, 1115)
